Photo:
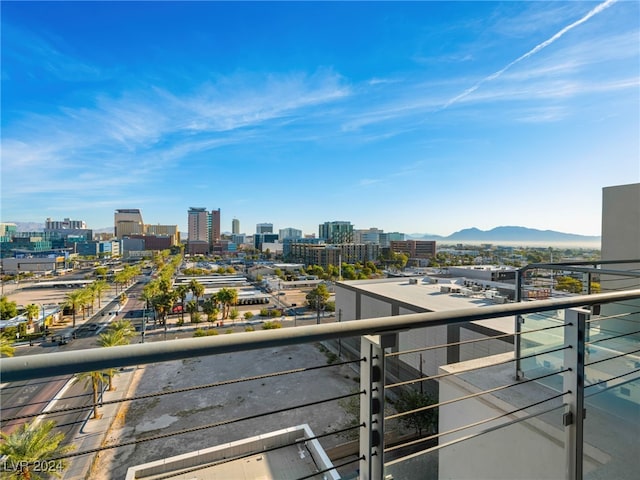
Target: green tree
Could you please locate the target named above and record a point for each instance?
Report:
(98, 288)
(181, 292)
(234, 314)
(424, 419)
(197, 289)
(101, 272)
(32, 311)
(74, 300)
(6, 348)
(113, 337)
(210, 308)
(95, 379)
(227, 297)
(124, 328)
(8, 308)
(569, 284)
(32, 443)
(318, 296)
(192, 308)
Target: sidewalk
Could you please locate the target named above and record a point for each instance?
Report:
(94, 432)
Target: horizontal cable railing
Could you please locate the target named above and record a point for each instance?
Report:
(476, 424)
(72, 362)
(180, 390)
(59, 363)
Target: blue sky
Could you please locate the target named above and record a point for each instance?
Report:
(413, 117)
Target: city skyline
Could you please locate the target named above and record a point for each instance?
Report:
(411, 117)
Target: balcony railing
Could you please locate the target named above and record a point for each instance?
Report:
(491, 422)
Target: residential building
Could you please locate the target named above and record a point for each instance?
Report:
(198, 228)
(289, 233)
(235, 226)
(336, 232)
(370, 235)
(288, 242)
(329, 254)
(414, 249)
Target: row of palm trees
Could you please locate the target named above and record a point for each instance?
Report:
(160, 295)
(84, 298)
(36, 443)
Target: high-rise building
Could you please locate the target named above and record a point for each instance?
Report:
(264, 228)
(336, 232)
(215, 226)
(127, 221)
(621, 241)
(198, 224)
(64, 224)
(289, 233)
(235, 226)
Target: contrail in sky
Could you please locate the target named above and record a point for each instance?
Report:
(533, 51)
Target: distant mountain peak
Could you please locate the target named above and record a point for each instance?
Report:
(510, 233)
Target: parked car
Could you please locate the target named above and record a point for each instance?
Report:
(60, 339)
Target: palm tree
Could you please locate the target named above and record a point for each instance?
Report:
(114, 337)
(98, 287)
(93, 378)
(197, 289)
(210, 307)
(34, 443)
(228, 297)
(32, 310)
(181, 292)
(123, 327)
(162, 304)
(74, 300)
(6, 349)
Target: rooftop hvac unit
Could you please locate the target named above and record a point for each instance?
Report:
(413, 281)
(445, 289)
(499, 299)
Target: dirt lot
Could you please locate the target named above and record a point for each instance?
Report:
(202, 407)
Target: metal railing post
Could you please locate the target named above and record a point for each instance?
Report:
(573, 418)
(519, 320)
(372, 373)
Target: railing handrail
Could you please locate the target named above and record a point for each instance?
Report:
(61, 363)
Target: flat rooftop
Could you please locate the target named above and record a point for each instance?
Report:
(423, 293)
(279, 455)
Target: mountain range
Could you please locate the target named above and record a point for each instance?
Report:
(509, 234)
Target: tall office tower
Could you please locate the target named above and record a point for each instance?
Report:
(336, 232)
(235, 226)
(127, 221)
(215, 226)
(198, 225)
(264, 228)
(64, 224)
